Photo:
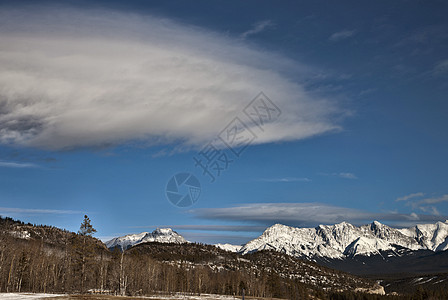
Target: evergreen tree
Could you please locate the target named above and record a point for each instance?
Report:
(84, 250)
(86, 229)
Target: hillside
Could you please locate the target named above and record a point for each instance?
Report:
(255, 268)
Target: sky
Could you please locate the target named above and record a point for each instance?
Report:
(221, 118)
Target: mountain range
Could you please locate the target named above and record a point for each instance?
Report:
(338, 241)
(346, 240)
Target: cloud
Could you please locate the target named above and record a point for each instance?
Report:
(410, 196)
(304, 214)
(426, 205)
(342, 35)
(257, 28)
(434, 200)
(73, 78)
(430, 209)
(14, 210)
(285, 179)
(9, 164)
(440, 68)
(367, 91)
(234, 228)
(346, 175)
(211, 238)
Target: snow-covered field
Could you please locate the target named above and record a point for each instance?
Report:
(20, 296)
(188, 297)
(16, 296)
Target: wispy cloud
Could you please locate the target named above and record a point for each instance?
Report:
(367, 91)
(434, 200)
(426, 205)
(213, 238)
(234, 228)
(440, 68)
(305, 214)
(98, 78)
(346, 175)
(430, 209)
(15, 210)
(257, 28)
(285, 179)
(410, 196)
(10, 164)
(342, 35)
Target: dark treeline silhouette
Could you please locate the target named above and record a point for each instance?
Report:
(46, 259)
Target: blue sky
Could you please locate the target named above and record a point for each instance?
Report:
(102, 102)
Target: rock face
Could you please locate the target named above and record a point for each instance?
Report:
(345, 240)
(161, 235)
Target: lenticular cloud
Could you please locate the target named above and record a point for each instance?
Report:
(72, 78)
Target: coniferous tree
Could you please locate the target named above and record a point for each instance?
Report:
(86, 229)
(84, 250)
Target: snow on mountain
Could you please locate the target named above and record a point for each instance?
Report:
(346, 240)
(161, 235)
(366, 246)
(432, 236)
(229, 247)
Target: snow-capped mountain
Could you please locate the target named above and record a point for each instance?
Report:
(161, 235)
(229, 247)
(346, 240)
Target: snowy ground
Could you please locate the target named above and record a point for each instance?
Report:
(202, 297)
(16, 296)
(19, 296)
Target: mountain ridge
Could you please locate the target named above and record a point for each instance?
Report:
(344, 240)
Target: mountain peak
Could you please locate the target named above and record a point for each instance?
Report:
(278, 226)
(161, 235)
(376, 223)
(164, 231)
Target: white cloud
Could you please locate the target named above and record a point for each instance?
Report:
(305, 214)
(285, 179)
(341, 35)
(73, 78)
(426, 205)
(434, 200)
(257, 28)
(410, 196)
(10, 164)
(346, 175)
